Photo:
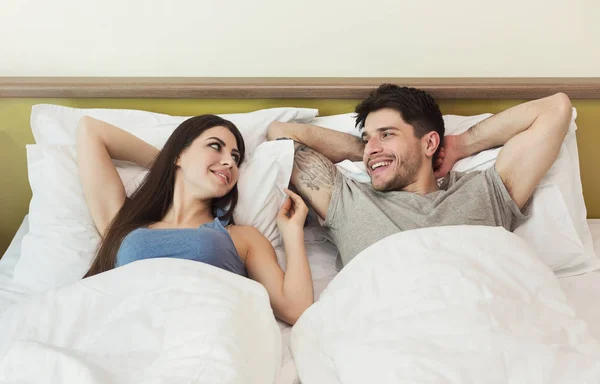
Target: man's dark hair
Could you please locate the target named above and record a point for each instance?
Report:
(416, 107)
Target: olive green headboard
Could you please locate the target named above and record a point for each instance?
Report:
(186, 97)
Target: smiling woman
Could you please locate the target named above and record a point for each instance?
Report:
(184, 207)
(214, 153)
(176, 193)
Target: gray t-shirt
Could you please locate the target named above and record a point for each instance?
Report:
(359, 216)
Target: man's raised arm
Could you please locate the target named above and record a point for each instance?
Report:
(531, 133)
(316, 151)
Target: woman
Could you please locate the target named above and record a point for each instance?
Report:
(184, 204)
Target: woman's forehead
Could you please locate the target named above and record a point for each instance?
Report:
(222, 133)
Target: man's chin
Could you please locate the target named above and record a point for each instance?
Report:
(379, 187)
(385, 186)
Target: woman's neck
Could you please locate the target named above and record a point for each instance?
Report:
(189, 217)
(187, 212)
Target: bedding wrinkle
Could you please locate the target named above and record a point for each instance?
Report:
(464, 308)
(189, 320)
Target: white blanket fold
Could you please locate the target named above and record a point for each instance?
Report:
(461, 304)
(152, 321)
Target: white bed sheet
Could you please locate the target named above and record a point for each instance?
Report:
(10, 292)
(582, 291)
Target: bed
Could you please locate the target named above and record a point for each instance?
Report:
(465, 97)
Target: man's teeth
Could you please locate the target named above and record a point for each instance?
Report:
(380, 164)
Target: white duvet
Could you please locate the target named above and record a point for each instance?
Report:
(458, 304)
(153, 321)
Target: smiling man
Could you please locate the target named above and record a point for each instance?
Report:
(404, 150)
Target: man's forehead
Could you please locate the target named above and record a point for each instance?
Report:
(383, 118)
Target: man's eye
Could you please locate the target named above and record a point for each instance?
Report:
(386, 134)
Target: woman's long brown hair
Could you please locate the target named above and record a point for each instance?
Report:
(151, 201)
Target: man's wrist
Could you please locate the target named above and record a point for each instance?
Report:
(466, 145)
(297, 144)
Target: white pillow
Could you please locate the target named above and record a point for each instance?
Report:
(557, 229)
(55, 124)
(62, 238)
(9, 260)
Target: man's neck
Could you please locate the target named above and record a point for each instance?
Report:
(423, 185)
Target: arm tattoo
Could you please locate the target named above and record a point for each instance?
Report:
(315, 171)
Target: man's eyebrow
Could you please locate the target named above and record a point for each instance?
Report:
(382, 129)
(223, 144)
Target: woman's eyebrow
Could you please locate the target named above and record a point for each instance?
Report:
(223, 144)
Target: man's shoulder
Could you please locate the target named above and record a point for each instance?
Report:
(456, 180)
(354, 190)
(353, 181)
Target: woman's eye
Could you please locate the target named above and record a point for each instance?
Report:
(216, 146)
(236, 158)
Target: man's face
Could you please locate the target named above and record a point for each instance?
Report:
(393, 154)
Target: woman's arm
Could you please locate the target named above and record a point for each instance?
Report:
(290, 293)
(97, 143)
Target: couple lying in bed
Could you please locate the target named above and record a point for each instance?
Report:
(184, 206)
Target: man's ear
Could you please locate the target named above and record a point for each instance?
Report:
(431, 142)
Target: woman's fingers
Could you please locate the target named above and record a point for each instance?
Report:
(285, 207)
(298, 202)
(298, 210)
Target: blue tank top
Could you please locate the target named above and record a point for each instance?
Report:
(210, 243)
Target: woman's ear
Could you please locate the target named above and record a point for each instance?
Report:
(431, 143)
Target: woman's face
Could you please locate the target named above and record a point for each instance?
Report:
(209, 166)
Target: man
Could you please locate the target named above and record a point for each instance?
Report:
(404, 150)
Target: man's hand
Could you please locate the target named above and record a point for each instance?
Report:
(449, 154)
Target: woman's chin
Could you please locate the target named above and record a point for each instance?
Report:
(222, 190)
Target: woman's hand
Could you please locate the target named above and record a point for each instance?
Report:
(292, 214)
(291, 292)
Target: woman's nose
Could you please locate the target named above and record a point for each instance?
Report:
(227, 160)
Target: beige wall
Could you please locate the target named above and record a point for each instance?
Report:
(300, 38)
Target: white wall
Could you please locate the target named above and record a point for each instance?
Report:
(400, 38)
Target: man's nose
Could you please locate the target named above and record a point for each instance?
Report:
(372, 147)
